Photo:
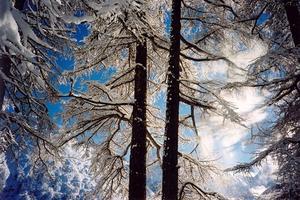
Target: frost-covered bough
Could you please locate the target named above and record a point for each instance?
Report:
(278, 24)
(32, 33)
(190, 190)
(70, 178)
(110, 116)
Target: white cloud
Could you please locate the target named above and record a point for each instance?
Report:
(245, 99)
(221, 138)
(258, 190)
(243, 58)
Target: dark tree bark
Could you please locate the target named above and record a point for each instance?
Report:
(19, 4)
(170, 157)
(137, 175)
(293, 16)
(5, 62)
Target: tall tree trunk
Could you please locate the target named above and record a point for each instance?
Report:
(5, 62)
(170, 157)
(137, 175)
(293, 16)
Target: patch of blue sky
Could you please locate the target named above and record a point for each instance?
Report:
(263, 18)
(184, 109)
(167, 21)
(101, 76)
(82, 31)
(160, 101)
(53, 110)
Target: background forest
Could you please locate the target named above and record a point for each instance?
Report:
(138, 99)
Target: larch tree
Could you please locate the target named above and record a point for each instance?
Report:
(138, 152)
(111, 115)
(195, 42)
(170, 156)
